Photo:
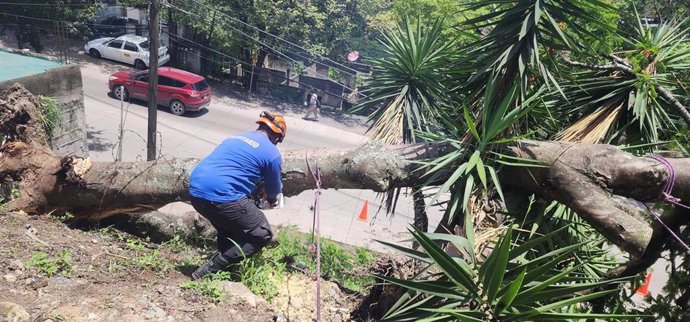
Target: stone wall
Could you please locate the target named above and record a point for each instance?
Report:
(64, 85)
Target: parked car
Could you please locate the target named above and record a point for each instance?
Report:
(112, 26)
(179, 90)
(130, 49)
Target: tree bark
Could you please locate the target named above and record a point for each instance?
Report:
(603, 184)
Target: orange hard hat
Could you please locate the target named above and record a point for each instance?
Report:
(275, 122)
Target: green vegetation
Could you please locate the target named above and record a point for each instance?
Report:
(207, 288)
(51, 265)
(585, 71)
(62, 216)
(511, 284)
(13, 193)
(263, 272)
(50, 116)
(145, 259)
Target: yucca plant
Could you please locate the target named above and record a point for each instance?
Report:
(625, 98)
(475, 154)
(513, 283)
(593, 256)
(407, 89)
(520, 30)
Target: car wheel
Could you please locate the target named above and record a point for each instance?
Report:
(94, 53)
(139, 64)
(120, 92)
(177, 107)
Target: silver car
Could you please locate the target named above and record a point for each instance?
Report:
(130, 49)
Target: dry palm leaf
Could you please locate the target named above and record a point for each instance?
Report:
(593, 127)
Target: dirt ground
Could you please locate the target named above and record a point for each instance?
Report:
(119, 277)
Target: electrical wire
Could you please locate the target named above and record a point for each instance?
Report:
(353, 71)
(343, 68)
(54, 4)
(244, 63)
(198, 44)
(262, 43)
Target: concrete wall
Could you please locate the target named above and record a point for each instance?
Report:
(64, 85)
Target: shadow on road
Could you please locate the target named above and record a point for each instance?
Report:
(97, 141)
(161, 108)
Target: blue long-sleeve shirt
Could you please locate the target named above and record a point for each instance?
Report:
(234, 168)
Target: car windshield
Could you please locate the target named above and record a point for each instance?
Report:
(144, 45)
(200, 86)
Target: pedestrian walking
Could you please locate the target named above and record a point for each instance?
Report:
(314, 105)
(221, 183)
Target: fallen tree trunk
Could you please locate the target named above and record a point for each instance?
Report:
(604, 185)
(601, 183)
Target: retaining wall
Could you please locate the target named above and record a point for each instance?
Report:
(64, 85)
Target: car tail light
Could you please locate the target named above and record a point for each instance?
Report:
(112, 78)
(194, 94)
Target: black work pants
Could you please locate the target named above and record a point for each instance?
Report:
(242, 227)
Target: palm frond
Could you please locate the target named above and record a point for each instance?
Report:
(592, 128)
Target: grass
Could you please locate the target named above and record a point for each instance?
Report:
(262, 272)
(51, 115)
(206, 288)
(337, 263)
(51, 266)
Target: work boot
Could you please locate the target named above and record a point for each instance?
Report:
(213, 265)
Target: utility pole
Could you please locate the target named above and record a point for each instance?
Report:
(153, 80)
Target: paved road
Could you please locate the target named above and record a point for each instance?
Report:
(194, 136)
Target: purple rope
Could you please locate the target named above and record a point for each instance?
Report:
(666, 196)
(317, 195)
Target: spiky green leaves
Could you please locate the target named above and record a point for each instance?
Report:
(510, 284)
(407, 88)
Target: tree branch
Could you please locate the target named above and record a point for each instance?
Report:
(669, 97)
(618, 64)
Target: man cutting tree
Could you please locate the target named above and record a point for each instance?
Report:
(221, 183)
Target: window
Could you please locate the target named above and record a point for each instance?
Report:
(178, 84)
(131, 47)
(115, 44)
(142, 78)
(200, 86)
(165, 81)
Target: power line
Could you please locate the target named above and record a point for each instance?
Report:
(260, 42)
(213, 50)
(54, 4)
(51, 20)
(239, 31)
(353, 71)
(267, 70)
(344, 68)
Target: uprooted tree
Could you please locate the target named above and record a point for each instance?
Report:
(604, 185)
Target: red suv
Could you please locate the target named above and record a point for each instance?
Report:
(179, 90)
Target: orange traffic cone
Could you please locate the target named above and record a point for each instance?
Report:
(364, 211)
(644, 289)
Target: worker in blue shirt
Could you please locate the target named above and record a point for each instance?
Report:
(221, 183)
